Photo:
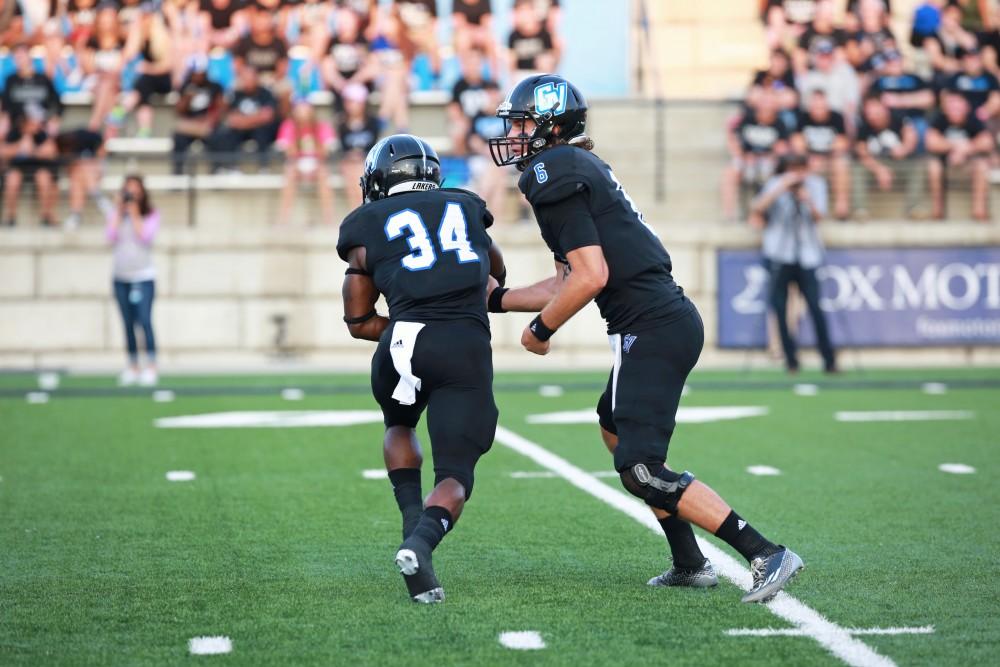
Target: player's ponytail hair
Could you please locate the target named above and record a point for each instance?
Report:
(581, 141)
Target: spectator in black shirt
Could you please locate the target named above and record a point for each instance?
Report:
(467, 98)
(357, 131)
(265, 52)
(754, 144)
(26, 86)
(944, 47)
(252, 116)
(198, 109)
(348, 56)
(30, 153)
(472, 22)
(980, 88)
(822, 29)
(872, 38)
(823, 137)
(224, 22)
(262, 49)
(903, 91)
(957, 139)
(855, 8)
(885, 144)
(779, 78)
(531, 48)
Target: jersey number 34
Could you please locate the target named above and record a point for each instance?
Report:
(452, 236)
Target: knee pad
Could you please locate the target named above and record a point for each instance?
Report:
(656, 485)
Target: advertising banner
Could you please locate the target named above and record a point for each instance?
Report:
(874, 297)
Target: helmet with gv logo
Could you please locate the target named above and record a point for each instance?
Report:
(551, 102)
(400, 163)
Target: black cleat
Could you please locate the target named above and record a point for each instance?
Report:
(694, 577)
(414, 562)
(771, 574)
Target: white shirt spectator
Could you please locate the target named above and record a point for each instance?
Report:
(840, 83)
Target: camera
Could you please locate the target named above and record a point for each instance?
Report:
(127, 197)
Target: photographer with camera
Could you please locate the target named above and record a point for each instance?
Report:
(789, 207)
(131, 227)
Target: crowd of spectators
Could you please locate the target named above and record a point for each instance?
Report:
(870, 108)
(246, 75)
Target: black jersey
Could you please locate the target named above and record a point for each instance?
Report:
(426, 251)
(641, 290)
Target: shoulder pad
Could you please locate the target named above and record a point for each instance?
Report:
(350, 231)
(476, 199)
(556, 174)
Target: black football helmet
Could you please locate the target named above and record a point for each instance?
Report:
(550, 101)
(400, 163)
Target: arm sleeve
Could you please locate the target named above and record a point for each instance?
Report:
(110, 230)
(150, 225)
(570, 222)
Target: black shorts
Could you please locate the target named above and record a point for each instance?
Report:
(644, 389)
(454, 363)
(29, 166)
(149, 84)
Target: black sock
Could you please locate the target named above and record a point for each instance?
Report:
(406, 488)
(741, 536)
(683, 547)
(433, 524)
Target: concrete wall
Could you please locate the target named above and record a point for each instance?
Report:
(218, 291)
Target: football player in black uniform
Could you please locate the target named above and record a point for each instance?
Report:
(611, 255)
(426, 249)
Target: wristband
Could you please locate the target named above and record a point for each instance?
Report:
(495, 303)
(351, 271)
(364, 318)
(539, 330)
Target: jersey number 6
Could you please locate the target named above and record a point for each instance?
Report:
(453, 236)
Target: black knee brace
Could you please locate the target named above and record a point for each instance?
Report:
(658, 486)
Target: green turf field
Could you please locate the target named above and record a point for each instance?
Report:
(282, 545)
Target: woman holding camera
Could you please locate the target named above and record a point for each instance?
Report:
(131, 227)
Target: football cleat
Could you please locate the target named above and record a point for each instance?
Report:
(414, 563)
(771, 574)
(695, 577)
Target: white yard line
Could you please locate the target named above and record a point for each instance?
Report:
(902, 415)
(798, 632)
(832, 637)
(546, 474)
